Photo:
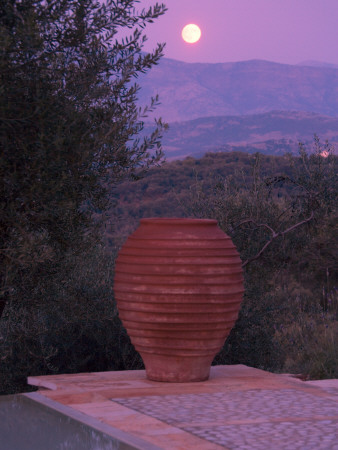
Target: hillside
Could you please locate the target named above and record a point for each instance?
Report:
(280, 211)
(192, 90)
(274, 133)
(168, 190)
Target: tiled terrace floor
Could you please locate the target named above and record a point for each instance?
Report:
(237, 408)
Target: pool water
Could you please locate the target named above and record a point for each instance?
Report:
(31, 422)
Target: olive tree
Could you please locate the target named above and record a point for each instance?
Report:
(69, 125)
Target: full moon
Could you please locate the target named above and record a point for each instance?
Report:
(191, 33)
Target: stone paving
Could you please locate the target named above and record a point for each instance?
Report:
(244, 420)
(239, 407)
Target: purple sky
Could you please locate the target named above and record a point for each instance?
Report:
(286, 31)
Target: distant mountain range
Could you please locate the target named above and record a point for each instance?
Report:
(313, 63)
(193, 90)
(275, 132)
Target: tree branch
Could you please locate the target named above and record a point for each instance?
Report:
(257, 225)
(274, 235)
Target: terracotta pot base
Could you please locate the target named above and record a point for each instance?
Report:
(175, 369)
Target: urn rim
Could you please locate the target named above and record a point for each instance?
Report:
(177, 221)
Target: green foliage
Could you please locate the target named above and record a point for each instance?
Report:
(308, 338)
(287, 241)
(74, 328)
(69, 129)
(281, 214)
(68, 121)
(167, 190)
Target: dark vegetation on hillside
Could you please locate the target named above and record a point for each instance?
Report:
(288, 319)
(169, 189)
(281, 214)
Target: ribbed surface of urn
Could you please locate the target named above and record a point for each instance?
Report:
(178, 287)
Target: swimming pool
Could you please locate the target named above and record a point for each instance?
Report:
(33, 422)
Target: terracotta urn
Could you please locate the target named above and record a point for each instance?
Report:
(178, 287)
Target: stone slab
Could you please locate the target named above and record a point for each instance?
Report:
(239, 407)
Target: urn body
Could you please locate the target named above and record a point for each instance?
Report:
(178, 287)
